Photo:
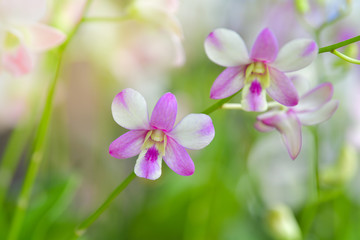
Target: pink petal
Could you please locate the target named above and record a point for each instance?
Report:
(128, 144)
(265, 47)
(315, 98)
(178, 159)
(164, 114)
(320, 115)
(296, 55)
(281, 88)
(262, 127)
(254, 97)
(129, 110)
(148, 165)
(226, 48)
(19, 62)
(230, 81)
(43, 37)
(22, 11)
(195, 131)
(290, 128)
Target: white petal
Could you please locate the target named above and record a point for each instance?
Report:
(296, 55)
(226, 48)
(195, 131)
(321, 115)
(148, 165)
(129, 110)
(315, 98)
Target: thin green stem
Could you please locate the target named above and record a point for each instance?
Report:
(35, 161)
(316, 161)
(81, 229)
(346, 58)
(39, 143)
(10, 159)
(335, 46)
(218, 104)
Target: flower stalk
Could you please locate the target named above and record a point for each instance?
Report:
(81, 229)
(39, 143)
(335, 46)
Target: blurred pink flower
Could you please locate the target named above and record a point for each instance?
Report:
(157, 138)
(21, 34)
(314, 107)
(263, 70)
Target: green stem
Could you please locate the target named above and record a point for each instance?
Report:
(316, 161)
(346, 58)
(335, 46)
(11, 157)
(39, 143)
(218, 104)
(35, 161)
(81, 229)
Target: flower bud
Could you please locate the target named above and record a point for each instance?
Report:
(302, 6)
(282, 223)
(343, 170)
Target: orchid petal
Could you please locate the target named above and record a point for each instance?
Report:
(19, 62)
(128, 144)
(281, 88)
(23, 11)
(226, 48)
(178, 159)
(261, 127)
(320, 115)
(228, 82)
(290, 128)
(254, 97)
(296, 55)
(315, 98)
(42, 37)
(148, 165)
(195, 131)
(164, 114)
(265, 47)
(129, 110)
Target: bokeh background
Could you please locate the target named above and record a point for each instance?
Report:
(245, 185)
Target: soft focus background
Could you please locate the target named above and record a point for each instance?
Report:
(245, 185)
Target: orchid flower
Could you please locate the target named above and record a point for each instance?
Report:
(264, 71)
(161, 13)
(157, 138)
(21, 34)
(314, 107)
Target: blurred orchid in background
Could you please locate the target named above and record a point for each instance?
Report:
(262, 72)
(21, 34)
(158, 138)
(314, 107)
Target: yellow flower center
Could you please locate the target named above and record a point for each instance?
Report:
(11, 41)
(156, 137)
(259, 71)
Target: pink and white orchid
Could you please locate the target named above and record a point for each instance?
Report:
(157, 138)
(262, 71)
(314, 107)
(21, 34)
